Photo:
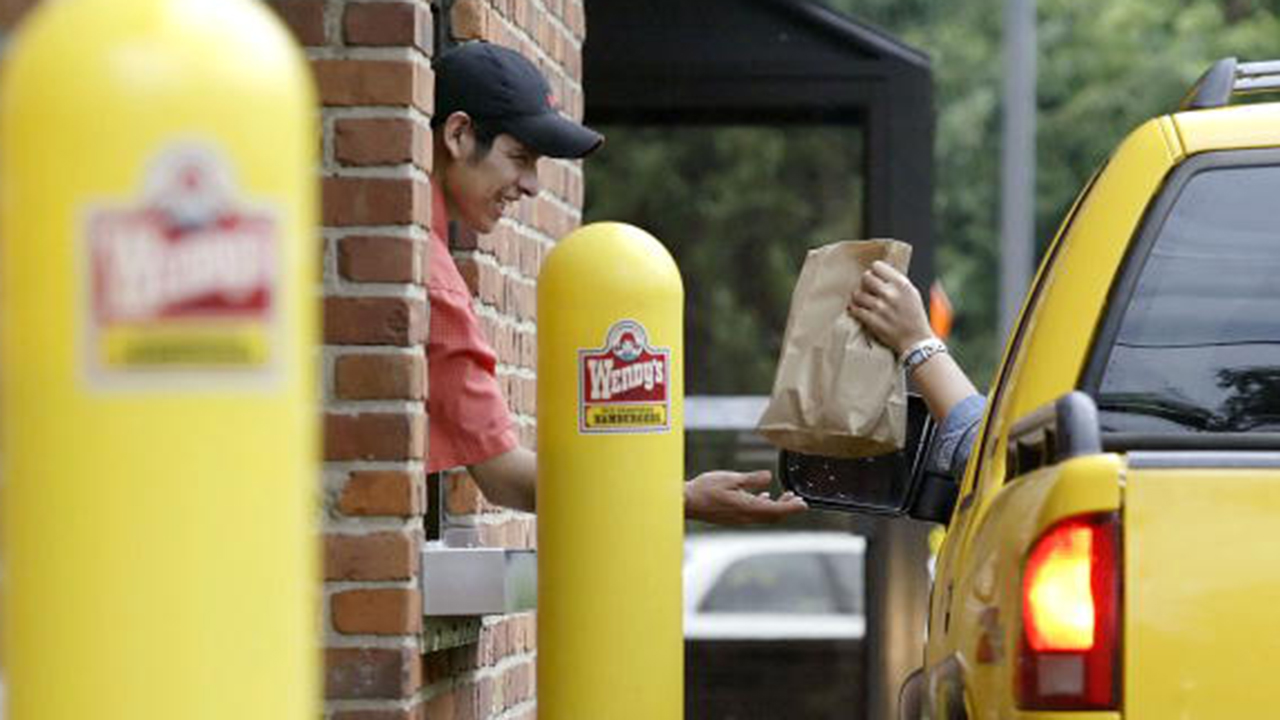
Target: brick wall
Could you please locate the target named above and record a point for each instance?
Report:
(372, 63)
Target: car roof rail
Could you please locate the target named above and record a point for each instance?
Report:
(1229, 77)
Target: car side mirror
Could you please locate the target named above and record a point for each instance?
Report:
(894, 484)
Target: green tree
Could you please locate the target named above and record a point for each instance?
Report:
(739, 207)
(1102, 68)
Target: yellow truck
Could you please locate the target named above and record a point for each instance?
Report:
(1113, 545)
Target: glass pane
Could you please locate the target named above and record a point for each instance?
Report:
(788, 583)
(1199, 347)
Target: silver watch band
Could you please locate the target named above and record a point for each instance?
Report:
(917, 354)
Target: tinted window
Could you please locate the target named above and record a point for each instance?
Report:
(1198, 348)
(792, 583)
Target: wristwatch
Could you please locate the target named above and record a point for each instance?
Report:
(917, 354)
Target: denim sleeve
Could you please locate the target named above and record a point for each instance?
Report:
(956, 435)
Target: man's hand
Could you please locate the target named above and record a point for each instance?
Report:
(725, 497)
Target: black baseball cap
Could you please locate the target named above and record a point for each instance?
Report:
(503, 91)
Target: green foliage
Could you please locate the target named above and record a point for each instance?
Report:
(729, 206)
(1102, 68)
(738, 207)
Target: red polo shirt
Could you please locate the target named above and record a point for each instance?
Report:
(467, 415)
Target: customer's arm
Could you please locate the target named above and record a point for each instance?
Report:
(888, 305)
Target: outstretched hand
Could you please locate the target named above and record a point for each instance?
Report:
(725, 497)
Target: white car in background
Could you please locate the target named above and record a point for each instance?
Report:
(774, 586)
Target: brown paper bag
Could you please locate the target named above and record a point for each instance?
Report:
(837, 391)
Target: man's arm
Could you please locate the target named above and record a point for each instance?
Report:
(723, 497)
(509, 479)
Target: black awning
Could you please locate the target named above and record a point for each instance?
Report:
(768, 62)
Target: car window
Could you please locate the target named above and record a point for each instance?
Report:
(790, 583)
(1198, 347)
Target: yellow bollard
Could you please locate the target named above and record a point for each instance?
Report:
(610, 472)
(160, 439)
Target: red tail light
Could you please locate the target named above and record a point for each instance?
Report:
(1070, 618)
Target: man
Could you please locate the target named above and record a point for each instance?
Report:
(494, 120)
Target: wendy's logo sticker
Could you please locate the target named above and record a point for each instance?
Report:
(184, 279)
(624, 386)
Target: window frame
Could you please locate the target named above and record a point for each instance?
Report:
(990, 429)
(1126, 284)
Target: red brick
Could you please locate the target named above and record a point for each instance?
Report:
(525, 255)
(517, 685)
(492, 285)
(527, 342)
(469, 20)
(520, 297)
(470, 271)
(376, 556)
(490, 327)
(498, 638)
(413, 713)
(397, 321)
(466, 702)
(384, 611)
(374, 436)
(381, 141)
(403, 83)
(442, 706)
(381, 258)
(485, 700)
(522, 634)
(382, 492)
(500, 338)
(388, 23)
(576, 20)
(383, 376)
(575, 188)
(374, 201)
(528, 435)
(528, 396)
(371, 673)
(502, 244)
(305, 19)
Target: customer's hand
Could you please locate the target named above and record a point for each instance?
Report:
(888, 305)
(725, 497)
